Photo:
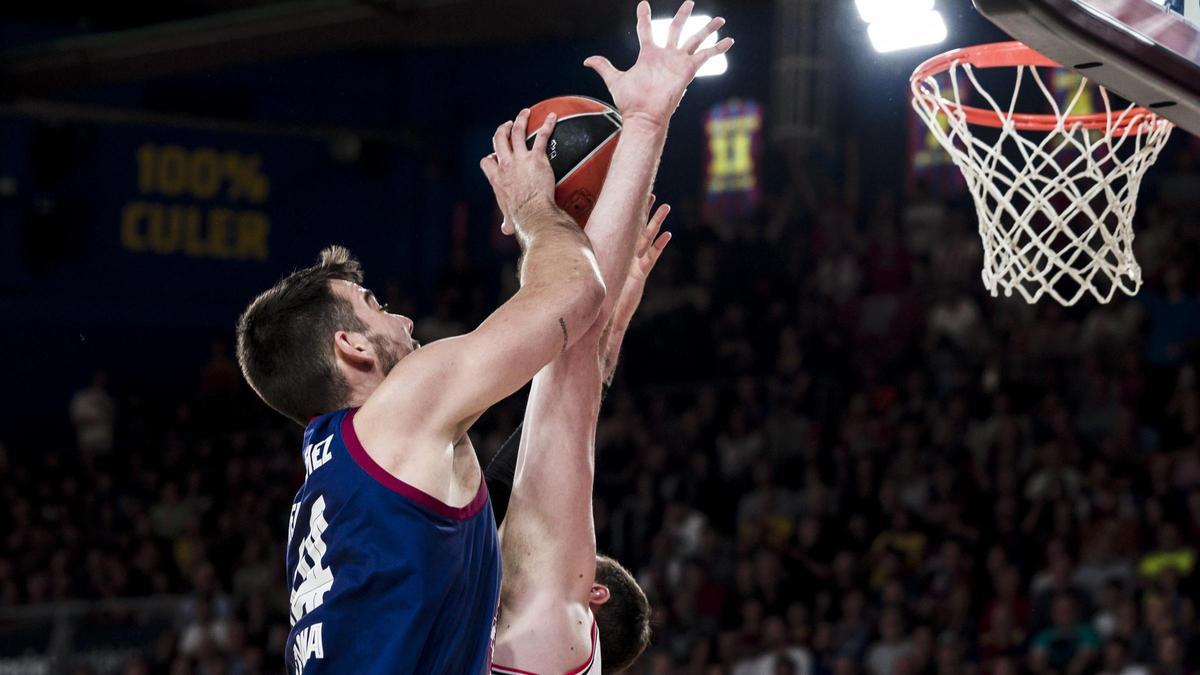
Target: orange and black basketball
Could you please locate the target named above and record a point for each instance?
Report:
(580, 149)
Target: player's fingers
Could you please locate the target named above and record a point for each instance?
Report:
(543, 135)
(720, 48)
(651, 229)
(676, 29)
(645, 36)
(517, 134)
(649, 206)
(643, 245)
(604, 68)
(488, 164)
(660, 245)
(502, 144)
(660, 216)
(491, 169)
(693, 43)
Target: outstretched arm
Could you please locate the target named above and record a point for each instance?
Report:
(548, 533)
(502, 467)
(548, 537)
(650, 246)
(646, 95)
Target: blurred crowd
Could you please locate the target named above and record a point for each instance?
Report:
(827, 451)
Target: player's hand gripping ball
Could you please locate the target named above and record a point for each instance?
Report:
(580, 149)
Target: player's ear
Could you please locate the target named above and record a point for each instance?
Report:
(598, 595)
(354, 349)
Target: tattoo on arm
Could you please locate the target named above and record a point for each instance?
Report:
(529, 197)
(563, 325)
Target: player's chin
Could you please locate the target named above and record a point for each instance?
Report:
(411, 347)
(405, 350)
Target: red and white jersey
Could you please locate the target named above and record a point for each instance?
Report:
(589, 667)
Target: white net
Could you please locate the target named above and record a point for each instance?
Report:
(1055, 207)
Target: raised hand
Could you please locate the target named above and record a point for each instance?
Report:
(650, 246)
(653, 87)
(521, 177)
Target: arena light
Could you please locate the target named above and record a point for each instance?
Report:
(916, 30)
(717, 65)
(875, 11)
(901, 24)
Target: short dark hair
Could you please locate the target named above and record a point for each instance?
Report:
(283, 338)
(624, 621)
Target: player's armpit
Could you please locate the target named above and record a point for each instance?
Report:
(499, 472)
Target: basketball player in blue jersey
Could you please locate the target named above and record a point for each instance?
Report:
(564, 609)
(393, 561)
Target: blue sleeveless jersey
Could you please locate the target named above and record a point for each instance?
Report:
(383, 577)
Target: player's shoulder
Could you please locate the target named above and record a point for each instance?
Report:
(411, 400)
(401, 414)
(418, 478)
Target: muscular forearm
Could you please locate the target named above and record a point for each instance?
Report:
(619, 215)
(554, 249)
(559, 274)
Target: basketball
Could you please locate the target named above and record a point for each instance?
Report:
(580, 149)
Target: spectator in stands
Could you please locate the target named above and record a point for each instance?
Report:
(1068, 646)
(1169, 555)
(777, 654)
(94, 415)
(883, 657)
(1171, 654)
(1116, 660)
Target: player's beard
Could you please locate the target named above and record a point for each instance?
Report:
(389, 355)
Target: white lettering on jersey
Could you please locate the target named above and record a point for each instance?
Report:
(308, 645)
(316, 455)
(292, 522)
(314, 577)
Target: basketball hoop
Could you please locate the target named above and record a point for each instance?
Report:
(1055, 193)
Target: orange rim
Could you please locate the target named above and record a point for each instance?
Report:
(1012, 55)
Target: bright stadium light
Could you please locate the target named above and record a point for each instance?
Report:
(926, 28)
(901, 24)
(873, 11)
(717, 65)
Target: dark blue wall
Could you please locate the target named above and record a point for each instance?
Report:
(78, 296)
